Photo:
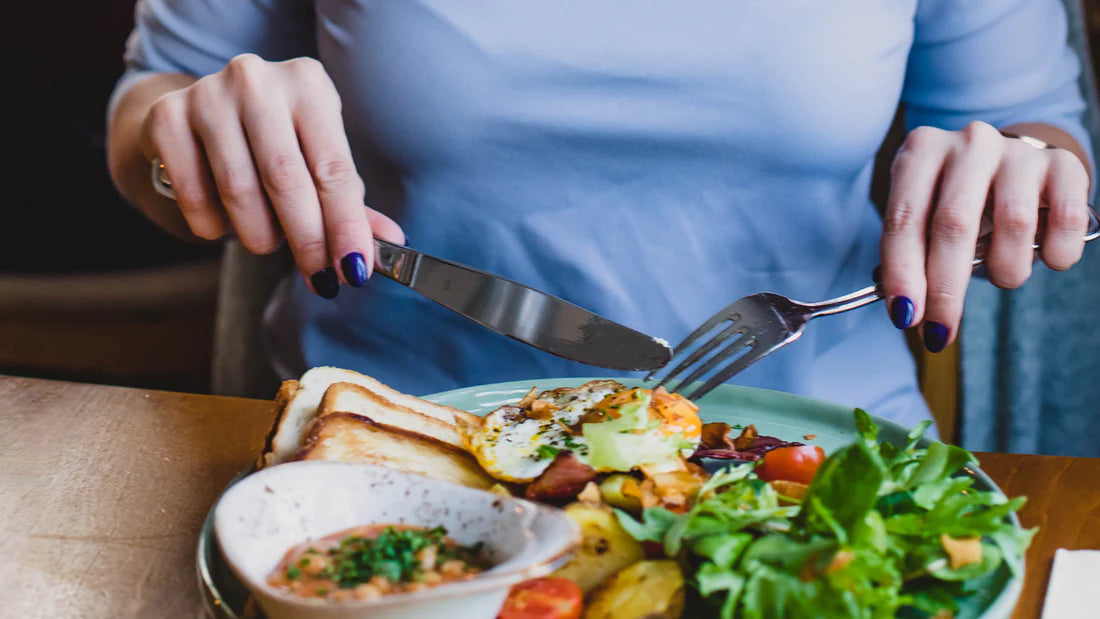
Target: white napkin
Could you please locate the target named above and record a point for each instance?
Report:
(1074, 589)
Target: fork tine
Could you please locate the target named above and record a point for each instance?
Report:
(742, 362)
(701, 352)
(711, 323)
(746, 340)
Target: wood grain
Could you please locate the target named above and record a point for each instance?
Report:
(1063, 500)
(104, 490)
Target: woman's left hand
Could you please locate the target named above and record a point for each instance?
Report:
(942, 183)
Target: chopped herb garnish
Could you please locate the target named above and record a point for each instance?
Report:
(293, 573)
(547, 452)
(393, 555)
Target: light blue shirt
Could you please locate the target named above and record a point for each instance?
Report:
(649, 160)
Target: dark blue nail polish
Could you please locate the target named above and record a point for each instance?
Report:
(406, 241)
(325, 283)
(355, 268)
(935, 336)
(901, 312)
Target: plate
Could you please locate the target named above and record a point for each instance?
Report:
(784, 415)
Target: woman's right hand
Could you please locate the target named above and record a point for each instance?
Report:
(260, 147)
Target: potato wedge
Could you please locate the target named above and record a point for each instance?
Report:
(605, 547)
(650, 589)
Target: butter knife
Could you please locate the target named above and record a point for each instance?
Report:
(520, 312)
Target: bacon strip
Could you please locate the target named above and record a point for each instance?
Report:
(760, 446)
(561, 481)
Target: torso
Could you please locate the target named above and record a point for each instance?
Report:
(649, 161)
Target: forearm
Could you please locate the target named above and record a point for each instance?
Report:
(1054, 136)
(127, 159)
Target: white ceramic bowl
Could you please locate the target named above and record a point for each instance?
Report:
(266, 513)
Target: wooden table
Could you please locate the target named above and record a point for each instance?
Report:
(103, 491)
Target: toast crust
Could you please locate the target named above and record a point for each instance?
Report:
(282, 400)
(357, 399)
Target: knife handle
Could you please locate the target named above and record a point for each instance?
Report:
(394, 261)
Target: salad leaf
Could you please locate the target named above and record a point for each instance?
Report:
(866, 541)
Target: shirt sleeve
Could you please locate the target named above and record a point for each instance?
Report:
(998, 61)
(199, 37)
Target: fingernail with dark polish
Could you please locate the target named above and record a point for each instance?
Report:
(935, 336)
(325, 283)
(355, 268)
(901, 312)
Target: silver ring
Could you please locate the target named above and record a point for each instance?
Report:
(161, 183)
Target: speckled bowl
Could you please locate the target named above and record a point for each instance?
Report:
(263, 515)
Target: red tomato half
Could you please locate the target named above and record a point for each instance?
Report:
(791, 464)
(543, 598)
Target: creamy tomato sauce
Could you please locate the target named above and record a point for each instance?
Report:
(370, 561)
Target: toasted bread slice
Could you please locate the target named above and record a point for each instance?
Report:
(353, 398)
(348, 437)
(304, 396)
(282, 400)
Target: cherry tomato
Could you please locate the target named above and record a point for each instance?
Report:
(791, 464)
(543, 598)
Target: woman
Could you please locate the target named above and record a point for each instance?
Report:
(648, 161)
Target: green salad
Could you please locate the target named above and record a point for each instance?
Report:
(881, 531)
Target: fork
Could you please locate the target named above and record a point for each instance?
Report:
(759, 324)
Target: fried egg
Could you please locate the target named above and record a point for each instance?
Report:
(518, 444)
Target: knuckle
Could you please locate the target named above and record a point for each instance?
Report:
(951, 221)
(979, 132)
(243, 64)
(283, 173)
(237, 186)
(336, 175)
(1068, 213)
(1015, 215)
(900, 217)
(923, 137)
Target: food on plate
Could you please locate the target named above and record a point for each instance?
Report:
(605, 546)
(651, 589)
(367, 562)
(299, 403)
(543, 598)
(602, 424)
(348, 437)
(880, 529)
(783, 530)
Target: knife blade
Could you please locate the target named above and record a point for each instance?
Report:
(520, 312)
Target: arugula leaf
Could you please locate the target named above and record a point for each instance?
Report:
(844, 489)
(653, 527)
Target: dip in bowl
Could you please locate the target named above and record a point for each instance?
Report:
(265, 523)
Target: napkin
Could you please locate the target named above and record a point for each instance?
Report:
(1074, 589)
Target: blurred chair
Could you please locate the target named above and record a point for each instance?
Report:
(139, 327)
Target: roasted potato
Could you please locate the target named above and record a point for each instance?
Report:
(649, 589)
(605, 547)
(612, 491)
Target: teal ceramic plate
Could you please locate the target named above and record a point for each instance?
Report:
(774, 413)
